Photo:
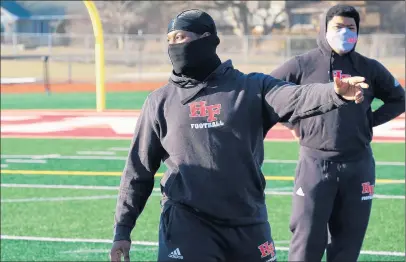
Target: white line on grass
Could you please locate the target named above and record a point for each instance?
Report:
(56, 199)
(57, 156)
(103, 251)
(95, 153)
(107, 157)
(126, 149)
(379, 163)
(92, 251)
(273, 191)
(26, 161)
(4, 165)
(146, 243)
(79, 240)
(61, 186)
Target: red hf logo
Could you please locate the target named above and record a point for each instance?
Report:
(340, 75)
(201, 109)
(267, 249)
(367, 188)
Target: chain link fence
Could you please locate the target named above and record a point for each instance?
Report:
(140, 56)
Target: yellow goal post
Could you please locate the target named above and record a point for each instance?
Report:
(99, 55)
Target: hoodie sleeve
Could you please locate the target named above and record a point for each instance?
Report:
(388, 89)
(288, 102)
(289, 71)
(137, 180)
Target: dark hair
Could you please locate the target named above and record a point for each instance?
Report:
(343, 10)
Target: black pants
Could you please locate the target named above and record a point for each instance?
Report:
(185, 235)
(330, 196)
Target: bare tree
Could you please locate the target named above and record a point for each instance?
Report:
(392, 15)
(245, 15)
(123, 17)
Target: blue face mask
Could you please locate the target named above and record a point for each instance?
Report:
(342, 40)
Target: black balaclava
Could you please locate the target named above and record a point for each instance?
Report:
(196, 59)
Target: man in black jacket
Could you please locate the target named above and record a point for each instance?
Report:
(206, 125)
(335, 176)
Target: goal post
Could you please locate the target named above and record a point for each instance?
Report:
(99, 55)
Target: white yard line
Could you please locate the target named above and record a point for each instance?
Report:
(146, 243)
(57, 156)
(79, 240)
(56, 199)
(98, 155)
(273, 191)
(126, 149)
(4, 165)
(95, 153)
(103, 251)
(61, 186)
(26, 161)
(378, 163)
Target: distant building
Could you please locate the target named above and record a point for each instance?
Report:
(37, 17)
(15, 18)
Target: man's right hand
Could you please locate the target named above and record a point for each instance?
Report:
(121, 247)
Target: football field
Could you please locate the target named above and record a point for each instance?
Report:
(60, 172)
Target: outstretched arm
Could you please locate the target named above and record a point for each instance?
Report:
(137, 180)
(290, 71)
(288, 102)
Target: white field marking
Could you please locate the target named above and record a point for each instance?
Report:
(105, 251)
(61, 186)
(17, 118)
(56, 199)
(157, 190)
(57, 156)
(26, 161)
(78, 240)
(89, 251)
(109, 153)
(4, 165)
(98, 157)
(378, 163)
(145, 243)
(126, 149)
(278, 189)
(69, 112)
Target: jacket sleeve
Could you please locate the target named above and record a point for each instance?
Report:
(137, 181)
(387, 89)
(289, 102)
(289, 71)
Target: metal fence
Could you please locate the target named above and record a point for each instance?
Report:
(148, 53)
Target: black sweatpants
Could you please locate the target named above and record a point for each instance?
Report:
(333, 195)
(185, 235)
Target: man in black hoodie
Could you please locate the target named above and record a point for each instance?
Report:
(206, 125)
(335, 176)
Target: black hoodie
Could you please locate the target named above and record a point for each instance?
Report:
(343, 134)
(210, 136)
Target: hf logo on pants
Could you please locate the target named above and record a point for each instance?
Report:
(267, 249)
(367, 188)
